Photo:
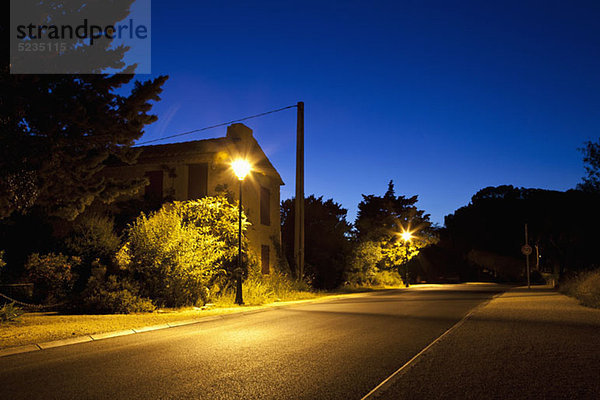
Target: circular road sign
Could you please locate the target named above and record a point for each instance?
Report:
(526, 249)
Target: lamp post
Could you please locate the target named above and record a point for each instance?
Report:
(241, 168)
(406, 236)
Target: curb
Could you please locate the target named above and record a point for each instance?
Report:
(27, 348)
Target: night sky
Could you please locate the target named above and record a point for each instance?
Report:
(445, 98)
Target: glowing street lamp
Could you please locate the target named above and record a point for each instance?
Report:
(241, 168)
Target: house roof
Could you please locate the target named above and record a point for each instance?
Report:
(238, 142)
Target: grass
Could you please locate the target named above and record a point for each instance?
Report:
(267, 291)
(43, 327)
(585, 287)
(33, 328)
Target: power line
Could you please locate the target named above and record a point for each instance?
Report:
(215, 126)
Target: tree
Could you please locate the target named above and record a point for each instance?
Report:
(327, 242)
(57, 131)
(562, 225)
(176, 253)
(591, 159)
(383, 219)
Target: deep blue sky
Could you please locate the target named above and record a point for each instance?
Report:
(445, 98)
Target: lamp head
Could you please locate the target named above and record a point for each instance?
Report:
(406, 236)
(241, 168)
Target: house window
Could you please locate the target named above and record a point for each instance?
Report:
(154, 190)
(264, 259)
(265, 206)
(197, 181)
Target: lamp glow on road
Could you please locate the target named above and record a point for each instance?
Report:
(241, 168)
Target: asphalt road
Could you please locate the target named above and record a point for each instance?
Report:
(339, 349)
(525, 344)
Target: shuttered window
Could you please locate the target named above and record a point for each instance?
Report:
(265, 206)
(197, 181)
(264, 259)
(154, 191)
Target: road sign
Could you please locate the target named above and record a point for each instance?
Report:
(526, 249)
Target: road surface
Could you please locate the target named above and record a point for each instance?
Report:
(525, 344)
(339, 349)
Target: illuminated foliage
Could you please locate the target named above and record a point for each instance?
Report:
(176, 252)
(381, 226)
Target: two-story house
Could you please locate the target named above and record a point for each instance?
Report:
(192, 170)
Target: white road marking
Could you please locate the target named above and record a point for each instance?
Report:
(388, 381)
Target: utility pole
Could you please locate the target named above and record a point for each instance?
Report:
(299, 214)
(527, 257)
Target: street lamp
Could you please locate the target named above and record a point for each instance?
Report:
(241, 168)
(407, 237)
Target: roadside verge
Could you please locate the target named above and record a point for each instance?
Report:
(163, 321)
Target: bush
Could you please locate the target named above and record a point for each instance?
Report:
(259, 289)
(10, 312)
(376, 278)
(585, 287)
(114, 296)
(363, 263)
(52, 275)
(93, 237)
(177, 252)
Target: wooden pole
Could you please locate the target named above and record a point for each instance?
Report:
(527, 258)
(299, 213)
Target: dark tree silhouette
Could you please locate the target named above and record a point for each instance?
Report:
(591, 159)
(327, 240)
(562, 225)
(381, 220)
(384, 217)
(57, 131)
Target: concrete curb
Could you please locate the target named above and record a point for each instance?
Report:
(101, 336)
(64, 342)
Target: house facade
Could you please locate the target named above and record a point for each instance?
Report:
(195, 169)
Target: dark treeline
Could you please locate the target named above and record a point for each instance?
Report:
(369, 252)
(486, 236)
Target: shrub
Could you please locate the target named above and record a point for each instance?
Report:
(93, 237)
(218, 217)
(10, 312)
(585, 287)
(363, 263)
(259, 289)
(177, 252)
(114, 296)
(52, 275)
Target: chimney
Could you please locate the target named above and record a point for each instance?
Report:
(239, 132)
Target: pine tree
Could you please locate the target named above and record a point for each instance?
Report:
(58, 131)
(381, 217)
(591, 159)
